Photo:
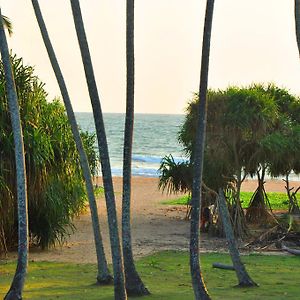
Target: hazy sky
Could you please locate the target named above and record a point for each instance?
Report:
(252, 41)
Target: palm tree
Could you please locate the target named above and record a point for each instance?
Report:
(134, 284)
(103, 276)
(200, 290)
(119, 280)
(7, 24)
(297, 22)
(16, 288)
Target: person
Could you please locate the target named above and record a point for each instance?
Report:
(205, 219)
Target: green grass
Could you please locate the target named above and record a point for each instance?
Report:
(277, 200)
(167, 276)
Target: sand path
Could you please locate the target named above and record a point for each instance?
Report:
(155, 227)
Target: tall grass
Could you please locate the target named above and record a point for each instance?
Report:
(55, 186)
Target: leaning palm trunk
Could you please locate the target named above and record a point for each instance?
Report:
(16, 288)
(200, 290)
(119, 280)
(103, 276)
(134, 284)
(297, 22)
(241, 272)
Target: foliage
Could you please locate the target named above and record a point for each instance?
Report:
(7, 24)
(55, 186)
(175, 177)
(252, 130)
(282, 143)
(168, 274)
(238, 118)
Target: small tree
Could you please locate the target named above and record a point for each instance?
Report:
(238, 119)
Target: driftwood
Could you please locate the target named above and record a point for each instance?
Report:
(290, 250)
(223, 267)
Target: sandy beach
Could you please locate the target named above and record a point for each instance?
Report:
(155, 227)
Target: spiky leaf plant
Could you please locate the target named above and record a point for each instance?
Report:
(55, 186)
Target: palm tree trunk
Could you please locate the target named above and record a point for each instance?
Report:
(241, 273)
(297, 22)
(103, 276)
(199, 287)
(119, 280)
(16, 288)
(134, 284)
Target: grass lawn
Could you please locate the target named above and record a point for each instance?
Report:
(277, 200)
(167, 276)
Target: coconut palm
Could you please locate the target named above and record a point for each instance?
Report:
(119, 280)
(199, 287)
(7, 24)
(134, 284)
(103, 276)
(16, 288)
(297, 22)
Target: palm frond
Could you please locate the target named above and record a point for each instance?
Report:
(7, 24)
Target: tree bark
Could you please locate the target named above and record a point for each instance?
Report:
(103, 276)
(199, 287)
(118, 268)
(239, 222)
(297, 23)
(134, 284)
(17, 285)
(241, 273)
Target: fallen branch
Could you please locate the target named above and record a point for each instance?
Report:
(292, 251)
(223, 267)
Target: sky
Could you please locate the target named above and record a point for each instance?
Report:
(252, 41)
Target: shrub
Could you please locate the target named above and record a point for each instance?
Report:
(54, 181)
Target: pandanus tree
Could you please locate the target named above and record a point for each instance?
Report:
(275, 131)
(16, 288)
(237, 119)
(134, 284)
(250, 114)
(283, 150)
(117, 259)
(103, 276)
(199, 287)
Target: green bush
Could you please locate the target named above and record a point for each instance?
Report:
(54, 181)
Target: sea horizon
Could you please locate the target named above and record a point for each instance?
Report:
(155, 136)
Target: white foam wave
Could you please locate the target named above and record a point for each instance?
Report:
(144, 172)
(153, 159)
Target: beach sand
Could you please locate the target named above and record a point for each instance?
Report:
(155, 227)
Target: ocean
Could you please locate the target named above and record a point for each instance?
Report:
(155, 135)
